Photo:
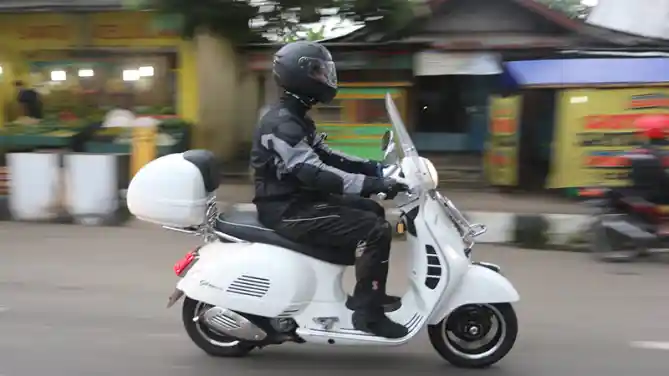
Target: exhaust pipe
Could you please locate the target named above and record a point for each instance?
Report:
(229, 323)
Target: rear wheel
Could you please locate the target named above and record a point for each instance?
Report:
(475, 335)
(211, 342)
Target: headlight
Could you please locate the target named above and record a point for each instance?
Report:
(432, 170)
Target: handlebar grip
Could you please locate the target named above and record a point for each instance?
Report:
(382, 196)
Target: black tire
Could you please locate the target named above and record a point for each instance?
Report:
(205, 338)
(502, 346)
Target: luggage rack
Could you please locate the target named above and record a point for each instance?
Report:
(468, 231)
(207, 230)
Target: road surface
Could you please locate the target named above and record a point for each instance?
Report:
(90, 301)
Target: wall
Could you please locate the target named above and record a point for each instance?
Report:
(228, 93)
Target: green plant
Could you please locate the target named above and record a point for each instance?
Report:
(572, 8)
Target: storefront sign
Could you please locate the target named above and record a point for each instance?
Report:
(44, 32)
(435, 63)
(501, 162)
(592, 136)
(121, 28)
(129, 31)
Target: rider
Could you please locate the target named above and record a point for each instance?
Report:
(647, 170)
(311, 194)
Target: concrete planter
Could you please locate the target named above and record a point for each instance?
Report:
(76, 188)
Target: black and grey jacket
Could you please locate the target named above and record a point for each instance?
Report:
(291, 161)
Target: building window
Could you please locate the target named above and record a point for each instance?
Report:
(372, 111)
(440, 104)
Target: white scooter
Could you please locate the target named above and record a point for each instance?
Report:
(247, 287)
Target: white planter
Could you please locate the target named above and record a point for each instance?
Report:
(92, 183)
(34, 186)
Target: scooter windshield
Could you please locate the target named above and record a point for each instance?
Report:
(415, 171)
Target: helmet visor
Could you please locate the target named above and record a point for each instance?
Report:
(321, 70)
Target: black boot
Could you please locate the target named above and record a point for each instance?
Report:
(377, 323)
(390, 303)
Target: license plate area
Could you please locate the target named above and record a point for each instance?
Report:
(184, 264)
(176, 295)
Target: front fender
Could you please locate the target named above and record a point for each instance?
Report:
(478, 286)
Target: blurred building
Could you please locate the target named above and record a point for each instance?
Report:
(443, 68)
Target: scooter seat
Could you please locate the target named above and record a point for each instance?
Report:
(245, 226)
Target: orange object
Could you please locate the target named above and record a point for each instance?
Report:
(591, 192)
(655, 127)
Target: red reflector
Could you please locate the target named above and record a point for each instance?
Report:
(182, 264)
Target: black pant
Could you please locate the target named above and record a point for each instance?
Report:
(349, 224)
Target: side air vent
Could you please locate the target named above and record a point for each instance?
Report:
(434, 269)
(292, 310)
(250, 286)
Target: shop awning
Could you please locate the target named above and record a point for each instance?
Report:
(588, 72)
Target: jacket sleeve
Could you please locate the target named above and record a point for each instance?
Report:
(295, 157)
(346, 162)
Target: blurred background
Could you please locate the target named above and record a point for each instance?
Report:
(497, 93)
(520, 104)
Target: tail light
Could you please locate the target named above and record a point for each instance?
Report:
(182, 266)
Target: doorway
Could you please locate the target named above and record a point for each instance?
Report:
(537, 126)
(452, 112)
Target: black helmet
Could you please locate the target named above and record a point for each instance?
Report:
(306, 69)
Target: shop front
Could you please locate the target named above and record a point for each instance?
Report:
(452, 91)
(571, 120)
(85, 63)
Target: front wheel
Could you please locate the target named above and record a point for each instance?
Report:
(475, 335)
(211, 342)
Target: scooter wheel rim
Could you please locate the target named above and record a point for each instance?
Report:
(499, 336)
(199, 326)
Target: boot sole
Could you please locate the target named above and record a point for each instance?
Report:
(392, 307)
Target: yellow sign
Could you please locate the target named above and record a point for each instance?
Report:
(136, 28)
(501, 155)
(594, 128)
(37, 30)
(45, 32)
(54, 31)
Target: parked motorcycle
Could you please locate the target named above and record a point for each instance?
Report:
(247, 287)
(625, 227)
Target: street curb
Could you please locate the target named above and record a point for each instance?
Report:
(533, 231)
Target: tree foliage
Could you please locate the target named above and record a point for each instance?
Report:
(572, 8)
(248, 20)
(305, 33)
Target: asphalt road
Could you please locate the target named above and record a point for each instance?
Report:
(77, 301)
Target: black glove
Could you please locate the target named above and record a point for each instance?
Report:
(390, 187)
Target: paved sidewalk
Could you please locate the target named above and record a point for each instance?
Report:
(464, 200)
